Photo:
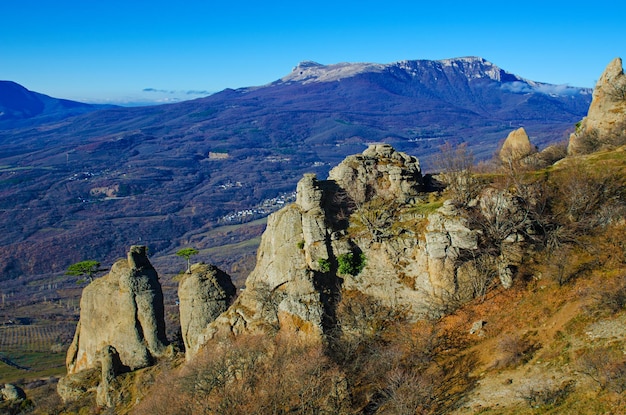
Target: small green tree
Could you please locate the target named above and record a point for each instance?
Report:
(88, 268)
(351, 264)
(187, 253)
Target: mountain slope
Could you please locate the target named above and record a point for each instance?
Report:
(167, 175)
(20, 107)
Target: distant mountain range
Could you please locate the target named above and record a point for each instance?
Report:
(78, 182)
(20, 107)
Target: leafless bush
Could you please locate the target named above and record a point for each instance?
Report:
(455, 165)
(591, 140)
(586, 198)
(606, 367)
(515, 350)
(482, 275)
(366, 316)
(252, 375)
(552, 154)
(375, 218)
(444, 301)
(588, 141)
(409, 391)
(616, 136)
(547, 394)
(612, 295)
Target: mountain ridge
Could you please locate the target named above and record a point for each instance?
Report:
(21, 107)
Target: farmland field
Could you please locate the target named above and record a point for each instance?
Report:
(34, 350)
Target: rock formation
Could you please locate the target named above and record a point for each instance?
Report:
(123, 309)
(285, 288)
(11, 392)
(294, 285)
(204, 293)
(516, 146)
(605, 121)
(380, 171)
(110, 366)
(300, 283)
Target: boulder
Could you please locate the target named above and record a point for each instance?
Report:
(516, 147)
(76, 386)
(204, 293)
(11, 392)
(124, 309)
(477, 328)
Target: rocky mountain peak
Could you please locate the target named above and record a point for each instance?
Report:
(472, 67)
(307, 71)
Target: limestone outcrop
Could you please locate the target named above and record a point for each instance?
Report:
(285, 289)
(204, 293)
(110, 364)
(606, 119)
(124, 309)
(294, 285)
(361, 235)
(380, 171)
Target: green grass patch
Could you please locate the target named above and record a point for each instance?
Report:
(38, 364)
(425, 208)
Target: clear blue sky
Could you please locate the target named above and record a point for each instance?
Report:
(100, 51)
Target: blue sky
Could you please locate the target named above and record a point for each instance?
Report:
(136, 50)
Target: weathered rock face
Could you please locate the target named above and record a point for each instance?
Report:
(516, 146)
(284, 291)
(380, 171)
(607, 113)
(110, 366)
(294, 284)
(300, 283)
(123, 309)
(204, 293)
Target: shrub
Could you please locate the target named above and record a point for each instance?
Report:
(546, 394)
(455, 165)
(300, 245)
(516, 350)
(323, 264)
(612, 295)
(351, 264)
(605, 366)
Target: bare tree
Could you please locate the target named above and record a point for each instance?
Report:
(455, 165)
